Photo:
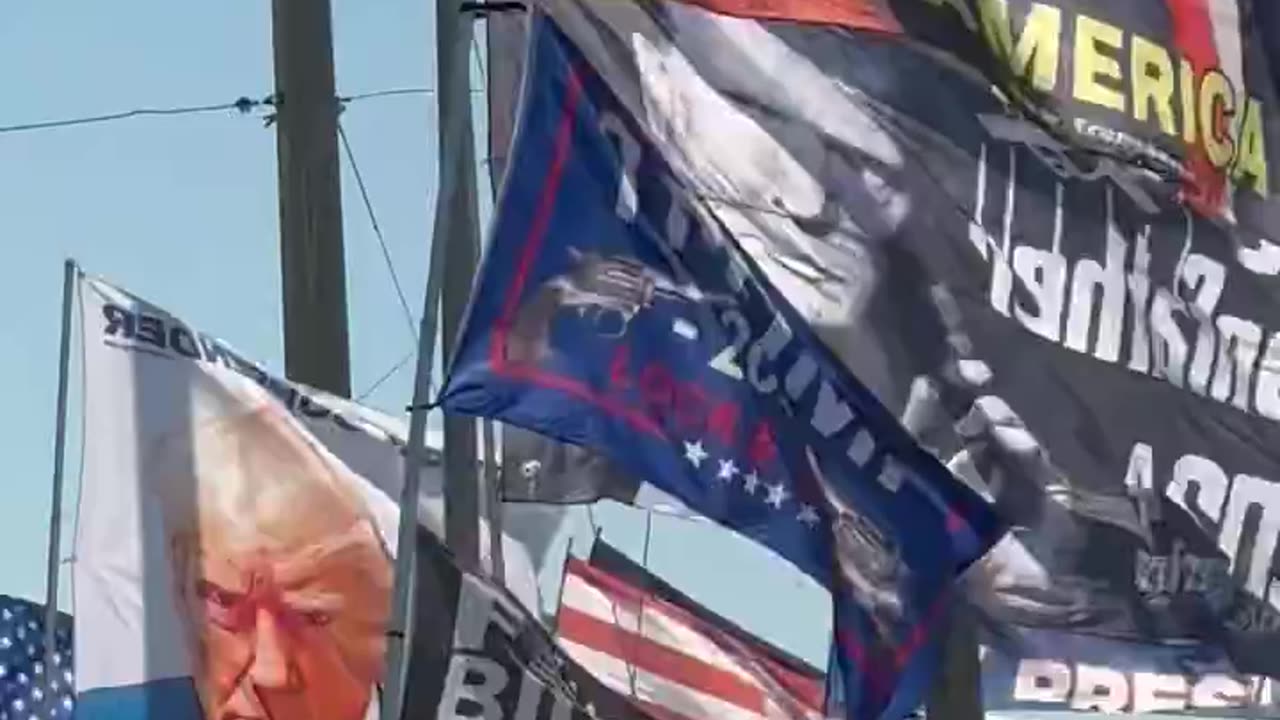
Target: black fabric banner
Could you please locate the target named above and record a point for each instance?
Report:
(476, 652)
(1087, 332)
(538, 469)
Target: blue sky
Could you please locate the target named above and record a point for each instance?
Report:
(182, 210)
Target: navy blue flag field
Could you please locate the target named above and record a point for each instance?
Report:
(608, 315)
(29, 689)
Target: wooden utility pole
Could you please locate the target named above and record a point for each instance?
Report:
(313, 267)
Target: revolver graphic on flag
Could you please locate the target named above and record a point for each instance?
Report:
(609, 290)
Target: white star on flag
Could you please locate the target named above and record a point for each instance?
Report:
(694, 453)
(808, 515)
(751, 481)
(777, 495)
(727, 470)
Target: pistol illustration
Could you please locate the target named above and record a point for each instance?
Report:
(609, 290)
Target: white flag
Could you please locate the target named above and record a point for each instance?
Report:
(236, 532)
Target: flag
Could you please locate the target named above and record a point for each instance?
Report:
(613, 562)
(236, 532)
(1027, 670)
(505, 45)
(29, 689)
(538, 469)
(1025, 48)
(677, 662)
(1083, 334)
(1022, 669)
(476, 651)
(598, 322)
(1147, 112)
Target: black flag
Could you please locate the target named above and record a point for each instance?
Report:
(536, 468)
(476, 652)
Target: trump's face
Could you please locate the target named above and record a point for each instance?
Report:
(283, 585)
(288, 632)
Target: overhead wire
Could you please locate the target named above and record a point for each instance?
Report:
(377, 231)
(387, 93)
(244, 105)
(386, 376)
(484, 75)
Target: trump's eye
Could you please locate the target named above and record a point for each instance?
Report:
(223, 598)
(317, 617)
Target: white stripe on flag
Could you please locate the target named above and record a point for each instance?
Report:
(653, 688)
(657, 626)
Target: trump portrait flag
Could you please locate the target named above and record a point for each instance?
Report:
(236, 531)
(609, 314)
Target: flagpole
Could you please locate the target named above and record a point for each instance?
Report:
(493, 502)
(415, 461)
(70, 273)
(453, 99)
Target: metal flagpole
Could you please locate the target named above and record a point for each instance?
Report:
(454, 230)
(70, 274)
(457, 224)
(493, 501)
(415, 461)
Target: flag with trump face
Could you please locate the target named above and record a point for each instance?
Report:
(609, 315)
(234, 548)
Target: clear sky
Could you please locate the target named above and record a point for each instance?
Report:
(182, 211)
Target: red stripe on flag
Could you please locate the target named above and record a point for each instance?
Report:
(801, 688)
(645, 654)
(874, 15)
(1193, 36)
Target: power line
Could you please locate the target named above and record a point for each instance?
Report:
(243, 105)
(377, 231)
(484, 74)
(385, 376)
(388, 93)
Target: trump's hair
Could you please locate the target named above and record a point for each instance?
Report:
(249, 470)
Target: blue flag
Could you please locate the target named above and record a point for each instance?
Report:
(29, 689)
(610, 314)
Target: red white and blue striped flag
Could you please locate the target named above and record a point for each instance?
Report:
(679, 661)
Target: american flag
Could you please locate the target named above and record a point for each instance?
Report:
(673, 663)
(28, 689)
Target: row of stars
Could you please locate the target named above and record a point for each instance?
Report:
(775, 495)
